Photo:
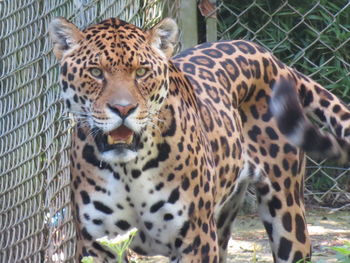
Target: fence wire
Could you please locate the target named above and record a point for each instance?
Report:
(314, 37)
(35, 214)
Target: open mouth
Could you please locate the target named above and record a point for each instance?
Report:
(117, 139)
(121, 135)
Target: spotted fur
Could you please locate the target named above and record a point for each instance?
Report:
(205, 123)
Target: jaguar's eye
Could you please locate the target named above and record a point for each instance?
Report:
(141, 72)
(96, 73)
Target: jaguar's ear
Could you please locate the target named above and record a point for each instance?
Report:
(65, 36)
(163, 36)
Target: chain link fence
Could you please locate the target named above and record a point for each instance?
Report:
(312, 36)
(35, 214)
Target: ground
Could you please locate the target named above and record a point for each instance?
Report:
(249, 243)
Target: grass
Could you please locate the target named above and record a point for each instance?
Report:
(342, 254)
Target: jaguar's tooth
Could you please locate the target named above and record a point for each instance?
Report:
(110, 140)
(129, 140)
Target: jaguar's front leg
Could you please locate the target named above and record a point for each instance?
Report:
(199, 242)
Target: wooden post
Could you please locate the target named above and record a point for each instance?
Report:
(188, 23)
(212, 31)
(208, 10)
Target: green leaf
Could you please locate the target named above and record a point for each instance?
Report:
(342, 250)
(87, 260)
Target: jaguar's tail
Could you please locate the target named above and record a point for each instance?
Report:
(289, 106)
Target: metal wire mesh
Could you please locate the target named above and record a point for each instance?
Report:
(314, 37)
(35, 214)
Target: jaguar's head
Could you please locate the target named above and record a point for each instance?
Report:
(114, 79)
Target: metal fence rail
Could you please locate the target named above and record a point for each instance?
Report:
(35, 214)
(312, 36)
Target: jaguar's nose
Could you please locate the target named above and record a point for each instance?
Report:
(123, 111)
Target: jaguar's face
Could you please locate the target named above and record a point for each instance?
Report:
(114, 78)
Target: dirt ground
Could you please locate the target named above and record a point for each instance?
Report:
(249, 242)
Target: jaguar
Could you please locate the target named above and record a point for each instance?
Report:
(169, 145)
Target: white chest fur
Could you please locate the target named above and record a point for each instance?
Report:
(132, 198)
